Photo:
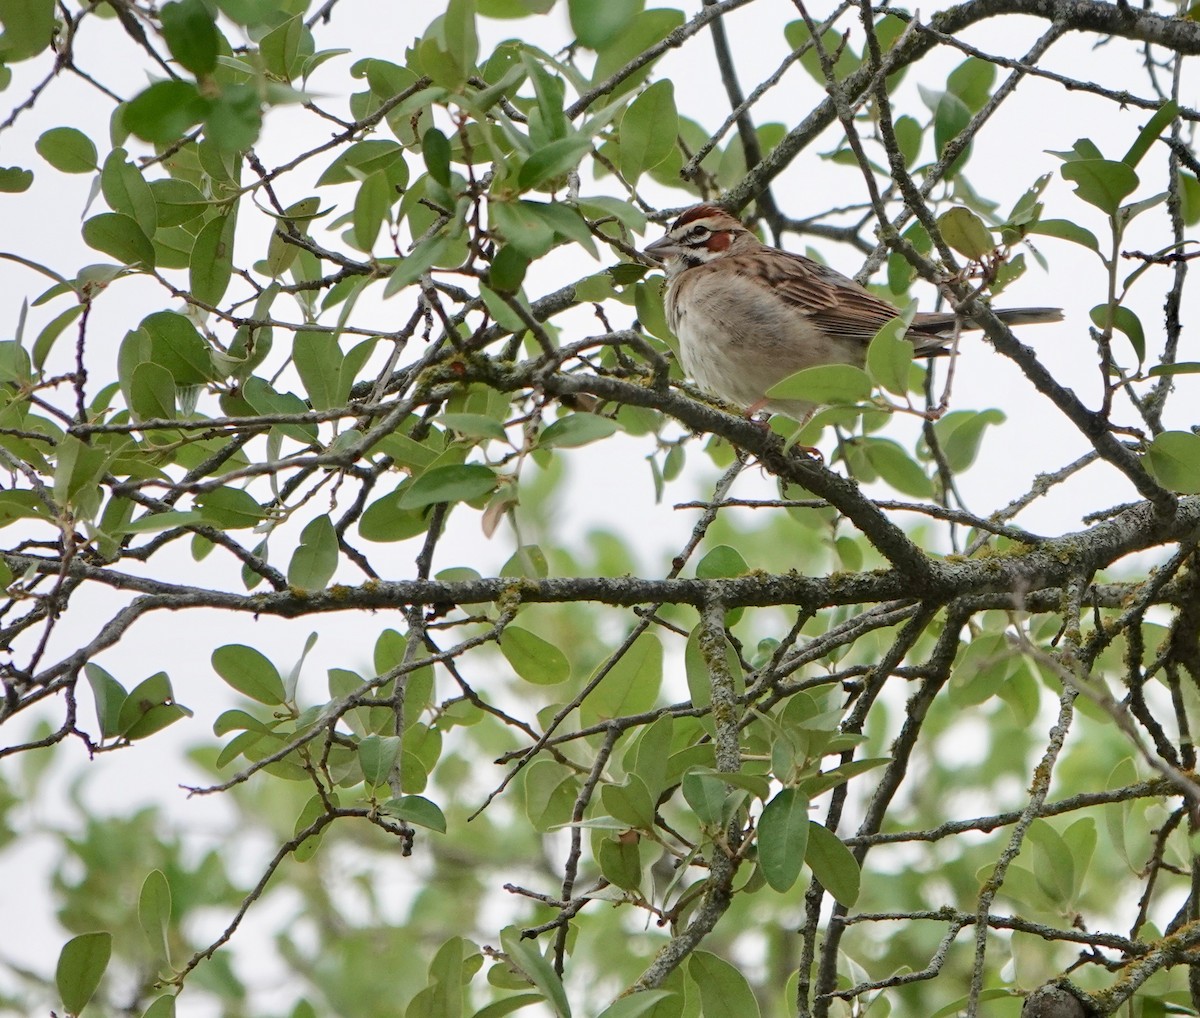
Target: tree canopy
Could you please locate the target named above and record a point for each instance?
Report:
(846, 736)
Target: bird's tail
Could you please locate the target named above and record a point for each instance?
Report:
(932, 331)
(932, 323)
(1030, 316)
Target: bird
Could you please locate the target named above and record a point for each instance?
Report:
(748, 315)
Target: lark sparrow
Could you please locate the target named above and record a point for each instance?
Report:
(748, 315)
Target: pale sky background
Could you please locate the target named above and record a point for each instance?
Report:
(612, 486)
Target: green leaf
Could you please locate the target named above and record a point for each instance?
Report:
(416, 263)
(549, 123)
(119, 236)
(154, 914)
(724, 991)
(109, 696)
(890, 356)
(191, 35)
(14, 180)
(152, 393)
(783, 838)
(474, 426)
(1064, 229)
(722, 561)
(972, 82)
(950, 116)
(1052, 865)
(1179, 368)
(318, 360)
(1124, 321)
(28, 29)
(964, 231)
(435, 147)
(178, 201)
(620, 860)
(234, 118)
(211, 263)
(961, 432)
(1173, 457)
(896, 467)
(458, 28)
(231, 508)
(384, 520)
(45, 341)
(631, 685)
(237, 721)
(552, 161)
(1189, 198)
(506, 273)
(507, 1005)
(1167, 112)
(81, 963)
(250, 672)
(797, 35)
(456, 483)
(648, 128)
(521, 227)
(534, 659)
(525, 956)
(705, 793)
(176, 345)
(163, 1007)
(313, 810)
(1103, 183)
(316, 557)
(985, 664)
(596, 25)
(377, 755)
(371, 206)
(908, 137)
(568, 224)
(280, 48)
(630, 803)
(828, 383)
(416, 809)
(575, 430)
(957, 1007)
(642, 32)
(68, 150)
(636, 1004)
(832, 864)
(365, 157)
(165, 111)
(149, 707)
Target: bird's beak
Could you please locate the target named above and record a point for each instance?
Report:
(661, 249)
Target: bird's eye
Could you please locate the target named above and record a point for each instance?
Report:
(699, 232)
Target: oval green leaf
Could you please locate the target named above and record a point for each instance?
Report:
(456, 483)
(832, 864)
(250, 672)
(81, 963)
(534, 659)
(828, 383)
(118, 235)
(315, 559)
(68, 150)
(416, 809)
(783, 838)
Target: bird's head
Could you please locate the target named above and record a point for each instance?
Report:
(701, 234)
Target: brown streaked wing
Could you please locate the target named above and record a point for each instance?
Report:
(834, 303)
